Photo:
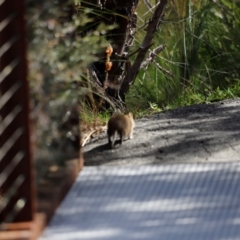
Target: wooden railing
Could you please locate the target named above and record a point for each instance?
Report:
(18, 217)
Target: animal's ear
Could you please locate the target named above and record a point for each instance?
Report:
(130, 115)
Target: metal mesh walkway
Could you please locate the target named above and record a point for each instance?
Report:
(182, 201)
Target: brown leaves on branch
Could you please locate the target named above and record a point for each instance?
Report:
(121, 73)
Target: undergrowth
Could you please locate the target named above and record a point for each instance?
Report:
(200, 63)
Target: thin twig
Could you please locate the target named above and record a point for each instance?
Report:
(152, 55)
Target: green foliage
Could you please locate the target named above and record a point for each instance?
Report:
(201, 61)
(88, 116)
(58, 58)
(57, 52)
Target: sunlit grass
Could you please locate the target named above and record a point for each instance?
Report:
(200, 62)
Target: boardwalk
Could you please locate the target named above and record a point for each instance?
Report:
(180, 201)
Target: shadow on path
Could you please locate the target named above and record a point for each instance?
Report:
(199, 133)
(188, 201)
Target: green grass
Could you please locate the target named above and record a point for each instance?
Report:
(201, 61)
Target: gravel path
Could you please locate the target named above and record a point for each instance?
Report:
(198, 133)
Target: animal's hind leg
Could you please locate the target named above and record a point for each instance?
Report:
(121, 137)
(109, 141)
(131, 135)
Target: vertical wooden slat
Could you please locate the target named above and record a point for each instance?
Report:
(13, 70)
(18, 218)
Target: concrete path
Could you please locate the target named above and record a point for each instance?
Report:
(178, 179)
(199, 133)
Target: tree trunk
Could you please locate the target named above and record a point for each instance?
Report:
(114, 72)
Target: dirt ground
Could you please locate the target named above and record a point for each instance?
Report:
(198, 133)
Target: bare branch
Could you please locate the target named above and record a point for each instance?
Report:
(152, 55)
(148, 4)
(151, 29)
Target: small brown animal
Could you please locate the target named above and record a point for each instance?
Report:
(122, 125)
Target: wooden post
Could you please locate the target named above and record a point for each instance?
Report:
(17, 188)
